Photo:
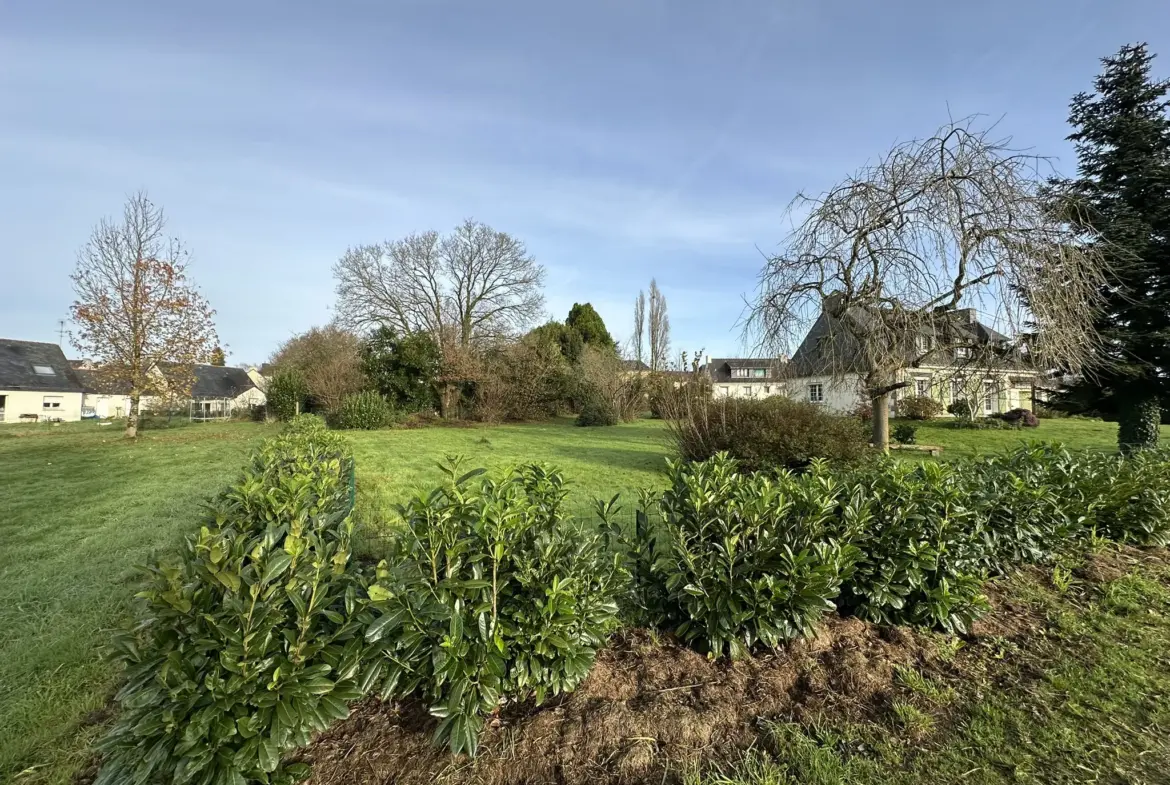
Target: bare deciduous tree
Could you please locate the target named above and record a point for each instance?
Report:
(329, 360)
(475, 284)
(659, 329)
(136, 310)
(638, 339)
(884, 260)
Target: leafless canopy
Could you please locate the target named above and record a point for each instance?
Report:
(473, 285)
(328, 358)
(955, 220)
(638, 338)
(136, 310)
(659, 329)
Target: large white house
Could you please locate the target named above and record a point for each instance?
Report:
(37, 384)
(948, 374)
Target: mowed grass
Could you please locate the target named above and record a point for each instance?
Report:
(596, 462)
(80, 507)
(1076, 434)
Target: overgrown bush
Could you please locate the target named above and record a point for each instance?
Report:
(922, 558)
(363, 411)
(251, 638)
(774, 432)
(287, 394)
(492, 595)
(741, 559)
(905, 433)
(597, 411)
(920, 407)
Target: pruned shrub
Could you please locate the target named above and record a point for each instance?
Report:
(363, 411)
(1021, 418)
(922, 554)
(905, 433)
(774, 432)
(920, 407)
(492, 595)
(741, 559)
(250, 639)
(961, 408)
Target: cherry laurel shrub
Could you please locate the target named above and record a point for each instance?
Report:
(363, 411)
(922, 553)
(252, 638)
(741, 559)
(492, 595)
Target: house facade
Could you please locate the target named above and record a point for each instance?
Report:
(745, 377)
(991, 383)
(216, 391)
(37, 383)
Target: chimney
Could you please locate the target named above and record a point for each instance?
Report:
(967, 316)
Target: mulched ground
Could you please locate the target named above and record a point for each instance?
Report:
(651, 707)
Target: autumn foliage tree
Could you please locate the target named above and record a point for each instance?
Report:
(135, 308)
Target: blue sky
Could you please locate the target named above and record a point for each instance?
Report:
(619, 140)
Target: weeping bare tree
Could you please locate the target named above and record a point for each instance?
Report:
(472, 285)
(136, 311)
(659, 329)
(890, 266)
(638, 339)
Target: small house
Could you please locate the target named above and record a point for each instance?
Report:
(37, 383)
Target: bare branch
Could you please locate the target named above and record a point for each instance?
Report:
(135, 309)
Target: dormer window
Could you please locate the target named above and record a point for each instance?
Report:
(924, 343)
(43, 370)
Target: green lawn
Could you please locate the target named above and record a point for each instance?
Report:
(961, 442)
(81, 507)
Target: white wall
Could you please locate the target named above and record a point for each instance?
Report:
(741, 389)
(839, 396)
(18, 402)
(252, 397)
(107, 405)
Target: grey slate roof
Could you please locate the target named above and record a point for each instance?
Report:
(92, 383)
(810, 360)
(629, 365)
(17, 359)
(720, 369)
(215, 381)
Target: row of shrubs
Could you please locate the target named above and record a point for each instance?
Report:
(728, 560)
(265, 629)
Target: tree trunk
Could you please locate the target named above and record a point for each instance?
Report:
(132, 416)
(1139, 417)
(881, 422)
